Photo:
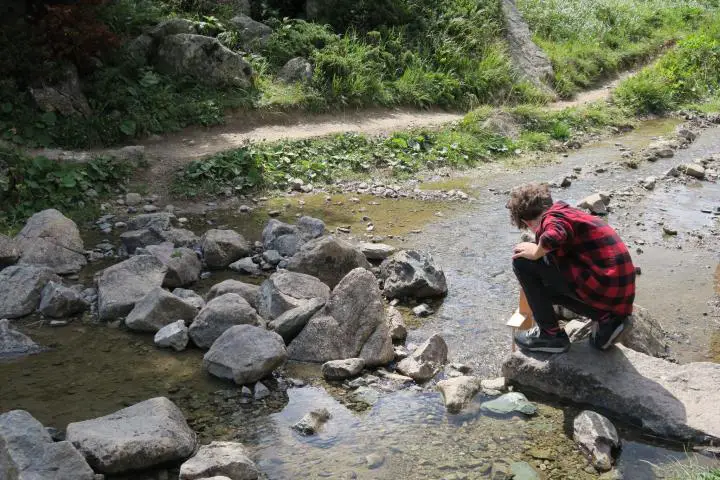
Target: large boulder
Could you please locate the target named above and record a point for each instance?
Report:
(229, 459)
(297, 69)
(410, 273)
(253, 35)
(9, 251)
(52, 240)
(157, 309)
(183, 264)
(310, 228)
(138, 437)
(22, 286)
(27, 452)
(220, 314)
(459, 391)
(351, 325)
(14, 343)
(284, 291)
(245, 354)
(327, 258)
(59, 301)
(64, 96)
(250, 292)
(597, 436)
(426, 361)
(290, 323)
(173, 335)
(204, 59)
(666, 399)
(222, 247)
(126, 283)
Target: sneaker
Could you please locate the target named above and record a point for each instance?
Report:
(609, 332)
(536, 340)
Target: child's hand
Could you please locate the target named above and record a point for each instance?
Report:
(528, 250)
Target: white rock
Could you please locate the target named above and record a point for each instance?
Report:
(174, 335)
(229, 459)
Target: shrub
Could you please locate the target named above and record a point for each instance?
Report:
(296, 38)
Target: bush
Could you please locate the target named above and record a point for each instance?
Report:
(296, 38)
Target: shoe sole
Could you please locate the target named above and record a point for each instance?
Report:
(545, 349)
(618, 334)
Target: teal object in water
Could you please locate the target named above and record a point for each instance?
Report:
(510, 402)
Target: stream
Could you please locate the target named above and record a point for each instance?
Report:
(92, 370)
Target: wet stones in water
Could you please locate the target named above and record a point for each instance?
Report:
(398, 330)
(375, 460)
(174, 335)
(458, 392)
(422, 310)
(122, 285)
(425, 362)
(327, 258)
(222, 247)
(248, 291)
(693, 170)
(523, 471)
(28, 451)
(190, 297)
(409, 273)
(246, 266)
(376, 251)
(261, 391)
(52, 240)
(509, 403)
(157, 309)
(493, 386)
(649, 183)
(59, 301)
(14, 343)
(342, 369)
(284, 291)
(218, 315)
(312, 422)
(138, 437)
(291, 323)
(228, 459)
(245, 354)
(21, 290)
(364, 395)
(597, 436)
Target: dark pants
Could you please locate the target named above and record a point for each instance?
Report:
(544, 287)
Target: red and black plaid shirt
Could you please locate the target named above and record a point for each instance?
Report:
(591, 256)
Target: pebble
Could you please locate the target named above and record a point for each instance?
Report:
(274, 213)
(374, 460)
(669, 231)
(120, 225)
(422, 310)
(150, 208)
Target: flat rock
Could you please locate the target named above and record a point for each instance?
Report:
(218, 315)
(157, 309)
(245, 354)
(426, 361)
(250, 292)
(597, 437)
(342, 369)
(14, 343)
(459, 391)
(52, 240)
(229, 459)
(290, 323)
(376, 251)
(327, 258)
(138, 437)
(284, 291)
(510, 402)
(59, 301)
(126, 283)
(27, 452)
(666, 399)
(22, 286)
(410, 273)
(223, 247)
(173, 335)
(312, 422)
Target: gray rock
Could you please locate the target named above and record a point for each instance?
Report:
(458, 392)
(597, 437)
(493, 385)
(246, 266)
(250, 292)
(296, 69)
(649, 183)
(261, 391)
(374, 460)
(376, 251)
(253, 35)
(594, 203)
(28, 452)
(528, 59)
(327, 258)
(180, 237)
(190, 297)
(693, 170)
(272, 257)
(183, 264)
(157, 309)
(173, 26)
(133, 199)
(290, 323)
(425, 362)
(58, 301)
(52, 240)
(14, 343)
(9, 251)
(274, 230)
(510, 402)
(245, 354)
(126, 283)
(138, 437)
(410, 273)
(666, 399)
(352, 324)
(504, 124)
(310, 228)
(152, 221)
(220, 314)
(366, 395)
(646, 335)
(342, 369)
(65, 96)
(204, 59)
(229, 459)
(284, 291)
(312, 422)
(422, 310)
(134, 239)
(22, 286)
(398, 330)
(173, 335)
(222, 247)
(523, 471)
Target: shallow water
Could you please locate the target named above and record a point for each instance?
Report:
(93, 370)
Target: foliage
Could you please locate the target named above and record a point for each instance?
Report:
(29, 184)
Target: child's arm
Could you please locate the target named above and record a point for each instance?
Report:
(529, 250)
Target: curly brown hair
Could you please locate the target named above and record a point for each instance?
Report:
(528, 202)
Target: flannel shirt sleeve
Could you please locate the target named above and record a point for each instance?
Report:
(556, 233)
